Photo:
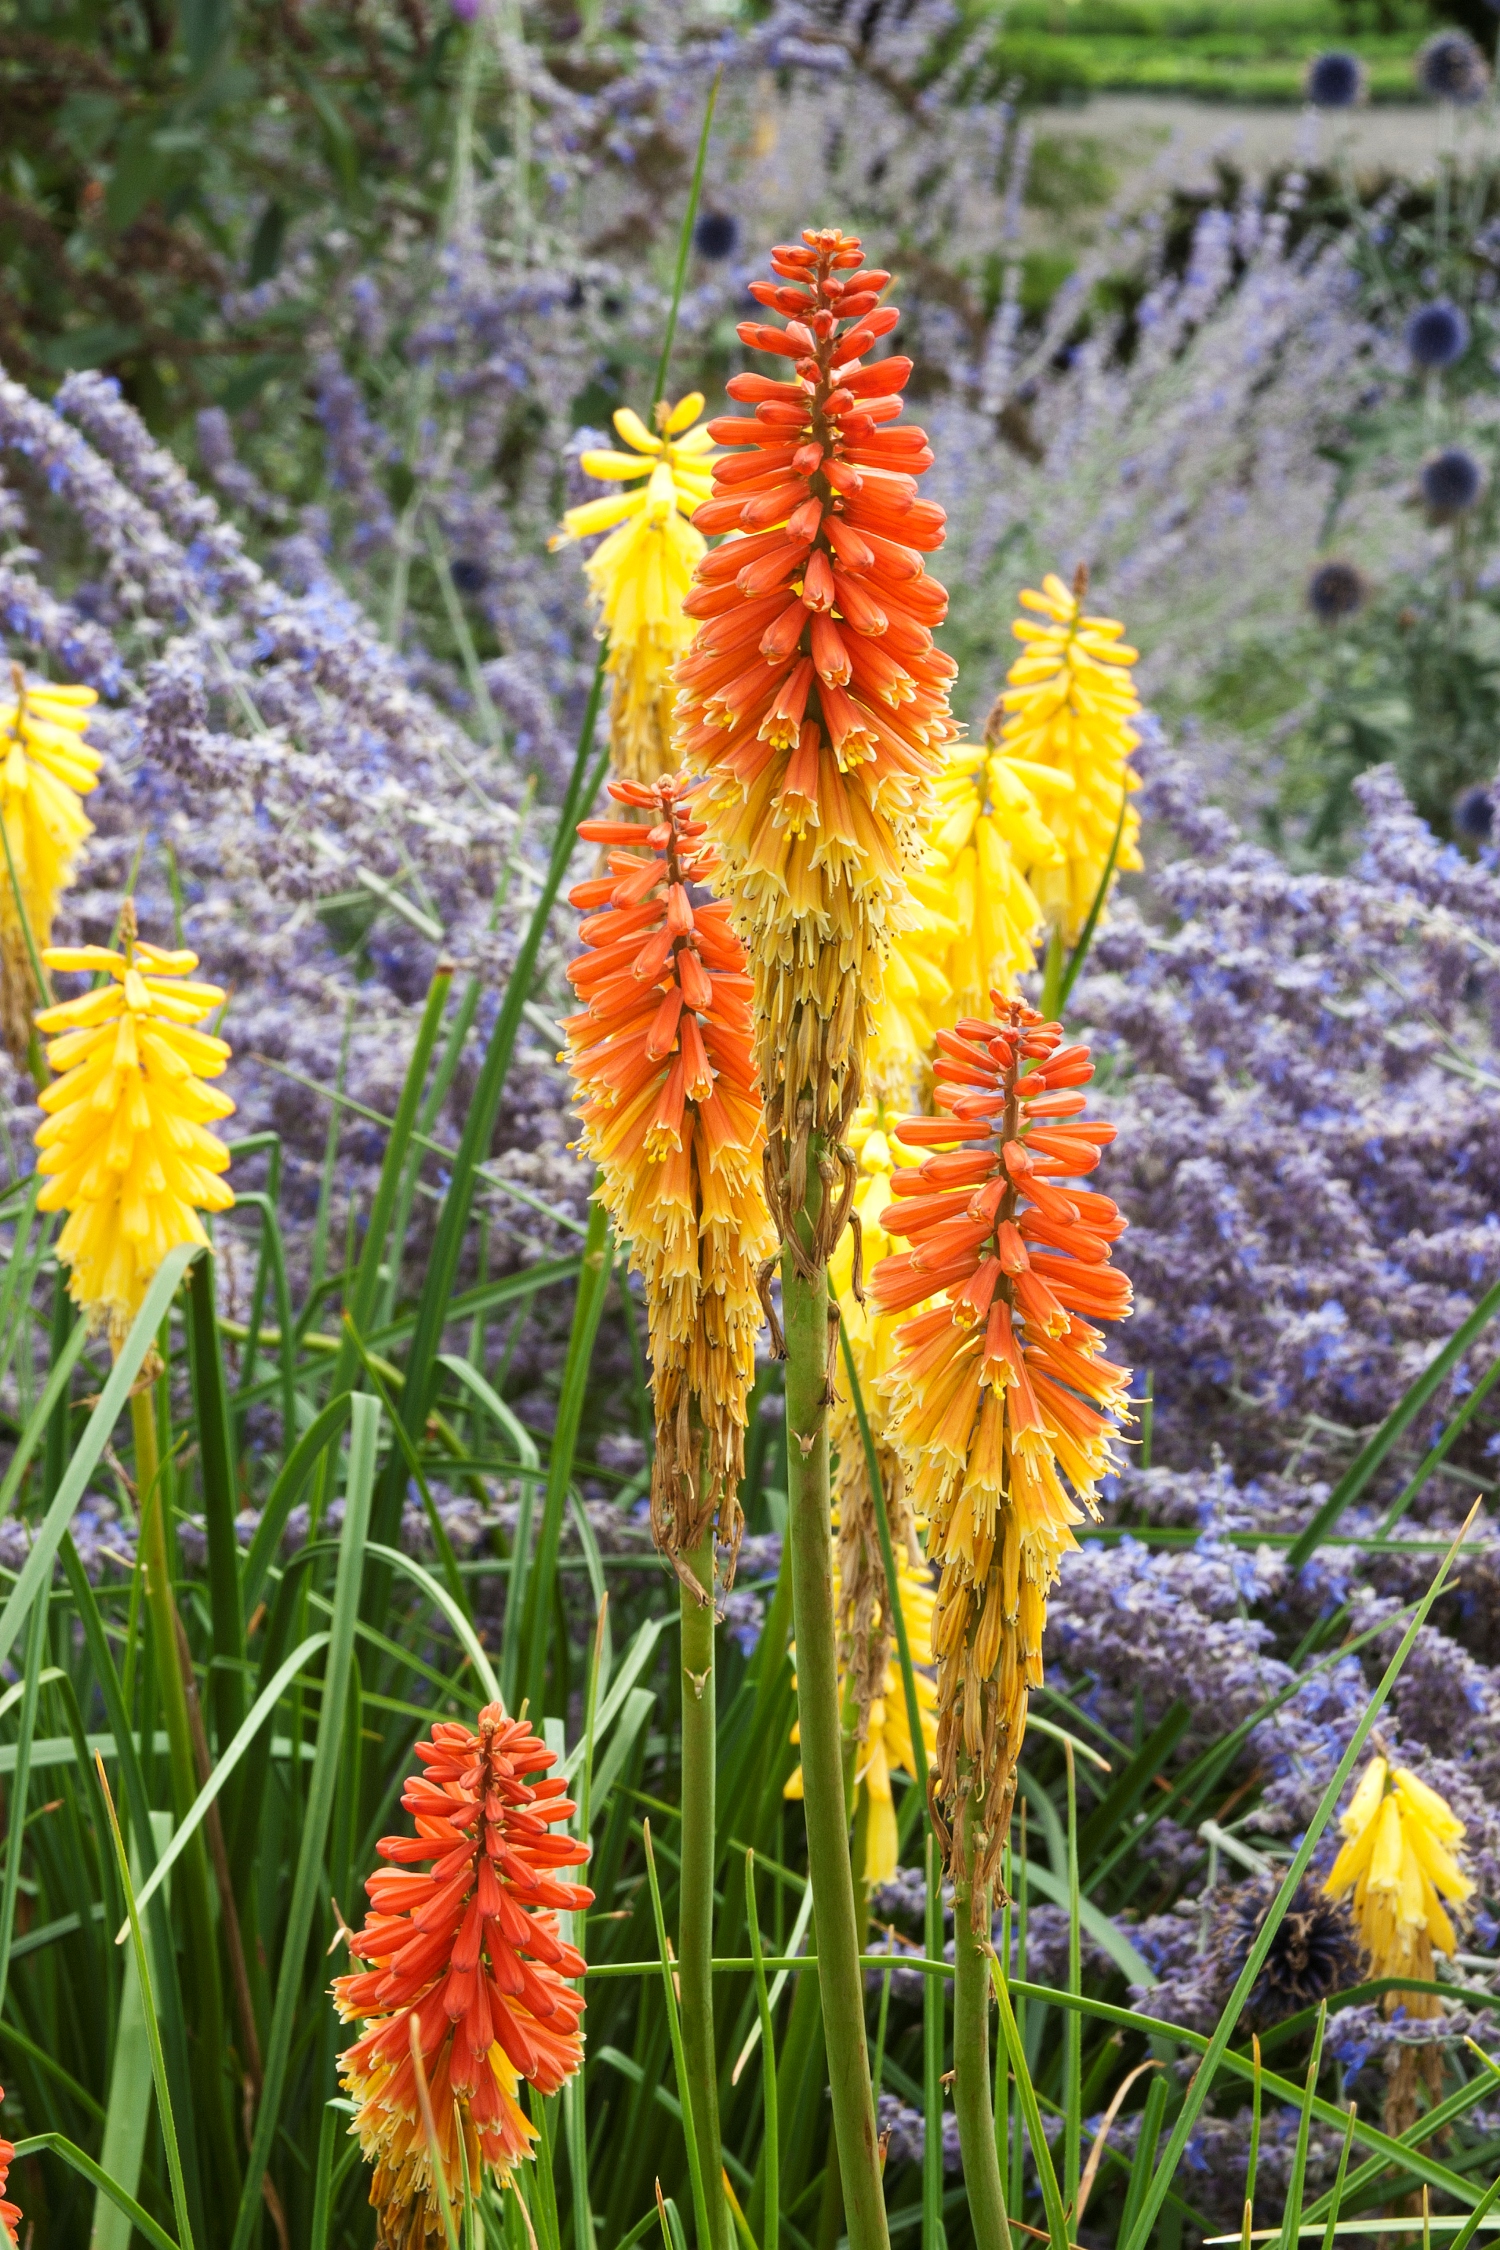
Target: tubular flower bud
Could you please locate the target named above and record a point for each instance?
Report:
(885, 1736)
(125, 1148)
(48, 769)
(661, 1056)
(1398, 1860)
(467, 1950)
(640, 574)
(813, 697)
(1000, 1405)
(10, 2213)
(865, 1642)
(1064, 723)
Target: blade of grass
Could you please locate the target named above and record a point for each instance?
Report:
(36, 1649)
(1292, 2217)
(216, 1473)
(684, 246)
(442, 1600)
(1202, 2085)
(1354, 1479)
(364, 1435)
(535, 1593)
(55, 1388)
(130, 2083)
(284, 1494)
(1030, 2108)
(1338, 2185)
(92, 1440)
(58, 2144)
(770, 2122)
(1442, 1448)
(165, 2118)
(1080, 951)
(435, 1307)
(260, 1711)
(443, 1545)
(679, 2058)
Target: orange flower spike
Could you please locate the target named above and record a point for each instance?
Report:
(1000, 1387)
(467, 1949)
(820, 712)
(662, 1055)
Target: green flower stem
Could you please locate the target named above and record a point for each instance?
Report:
(971, 2049)
(805, 1306)
(695, 1931)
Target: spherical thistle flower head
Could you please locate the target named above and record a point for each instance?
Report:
(640, 574)
(716, 235)
(1451, 68)
(1474, 812)
(10, 2214)
(1314, 1952)
(661, 1056)
(468, 1951)
(48, 770)
(813, 698)
(1450, 483)
(1436, 335)
(988, 825)
(1336, 591)
(1334, 80)
(1066, 727)
(885, 1742)
(125, 1149)
(1398, 1862)
(1001, 1407)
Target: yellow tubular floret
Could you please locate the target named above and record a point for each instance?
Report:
(124, 1146)
(1396, 1863)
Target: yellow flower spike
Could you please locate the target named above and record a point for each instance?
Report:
(1396, 1862)
(1065, 731)
(988, 827)
(124, 1146)
(46, 768)
(640, 574)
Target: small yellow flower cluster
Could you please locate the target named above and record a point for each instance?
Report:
(124, 1146)
(1397, 1861)
(641, 573)
(48, 769)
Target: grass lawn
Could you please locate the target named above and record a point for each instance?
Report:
(1231, 50)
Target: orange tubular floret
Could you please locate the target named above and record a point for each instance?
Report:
(996, 1449)
(662, 1057)
(819, 724)
(470, 1953)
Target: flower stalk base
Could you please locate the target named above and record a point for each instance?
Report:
(971, 2044)
(806, 1308)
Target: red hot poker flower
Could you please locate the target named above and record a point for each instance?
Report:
(10, 2214)
(999, 1385)
(813, 696)
(661, 1055)
(469, 1950)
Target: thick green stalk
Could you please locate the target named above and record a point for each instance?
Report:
(805, 1307)
(971, 2050)
(695, 1929)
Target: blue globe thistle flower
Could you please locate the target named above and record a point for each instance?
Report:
(1437, 335)
(1450, 483)
(716, 234)
(1334, 80)
(1451, 68)
(1474, 812)
(1336, 590)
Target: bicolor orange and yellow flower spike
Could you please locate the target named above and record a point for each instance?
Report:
(661, 1056)
(813, 698)
(1001, 1406)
